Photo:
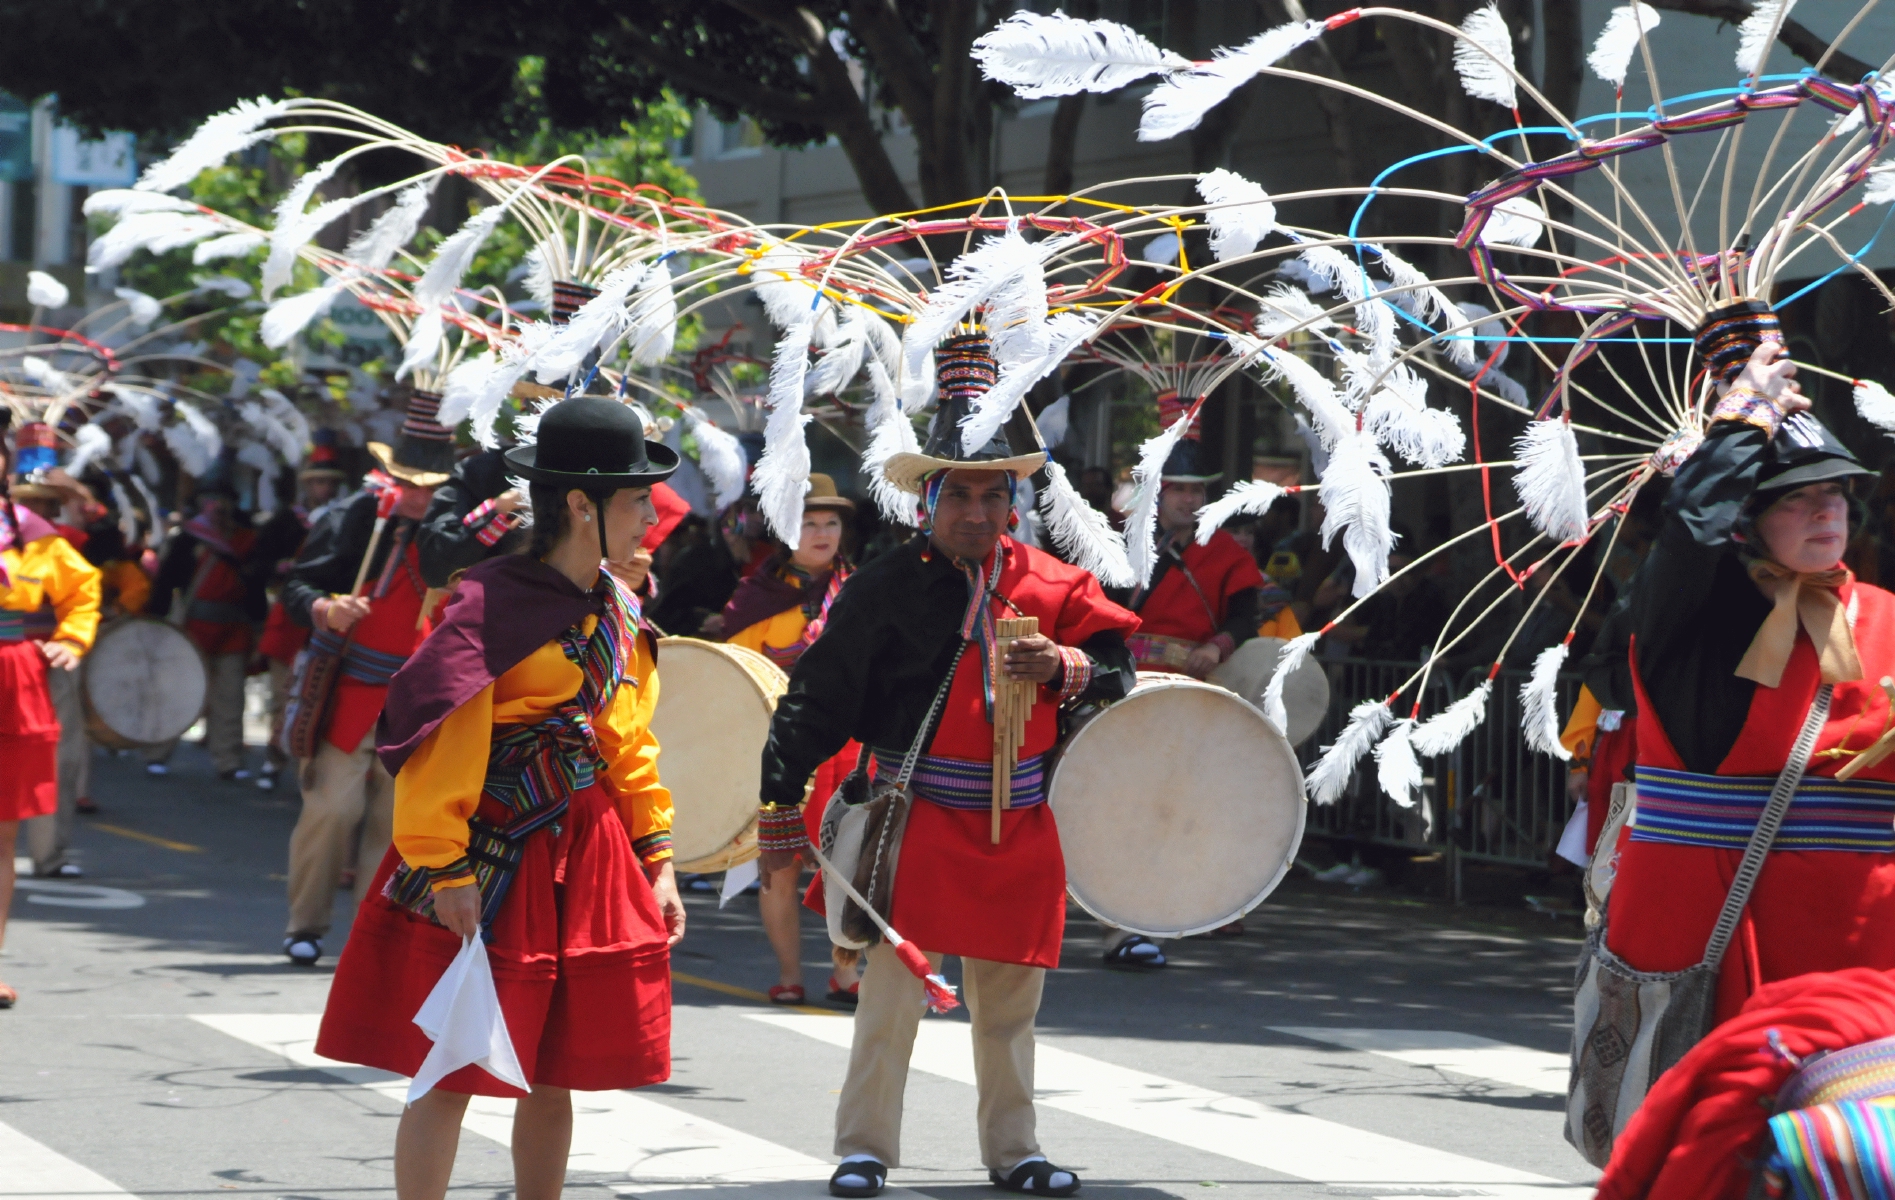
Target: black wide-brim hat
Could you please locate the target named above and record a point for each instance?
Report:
(1803, 452)
(594, 444)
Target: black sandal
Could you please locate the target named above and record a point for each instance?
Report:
(1034, 1177)
(861, 1168)
(1125, 954)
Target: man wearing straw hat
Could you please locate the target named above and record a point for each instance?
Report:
(358, 587)
(913, 660)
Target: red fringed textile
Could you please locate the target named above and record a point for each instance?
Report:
(1702, 1127)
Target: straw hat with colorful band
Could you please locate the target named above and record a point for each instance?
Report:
(965, 369)
(822, 495)
(423, 454)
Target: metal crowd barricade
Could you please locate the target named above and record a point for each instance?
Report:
(1491, 800)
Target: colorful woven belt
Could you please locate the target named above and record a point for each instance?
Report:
(373, 667)
(1679, 808)
(964, 783)
(1157, 650)
(12, 625)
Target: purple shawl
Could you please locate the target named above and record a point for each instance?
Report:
(505, 609)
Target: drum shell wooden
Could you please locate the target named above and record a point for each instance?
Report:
(144, 683)
(1305, 693)
(1180, 808)
(715, 702)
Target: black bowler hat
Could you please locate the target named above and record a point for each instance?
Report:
(594, 444)
(1805, 452)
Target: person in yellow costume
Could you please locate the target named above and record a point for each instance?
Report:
(49, 614)
(528, 812)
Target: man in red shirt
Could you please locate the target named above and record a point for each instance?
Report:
(373, 631)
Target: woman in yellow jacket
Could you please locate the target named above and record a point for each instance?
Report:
(528, 811)
(49, 614)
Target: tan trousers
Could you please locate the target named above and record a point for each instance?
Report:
(1002, 1000)
(223, 715)
(49, 838)
(341, 793)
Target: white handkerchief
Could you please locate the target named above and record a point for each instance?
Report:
(736, 880)
(462, 1015)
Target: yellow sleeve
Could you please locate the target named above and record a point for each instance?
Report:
(439, 788)
(1582, 727)
(630, 751)
(134, 590)
(72, 584)
(1284, 625)
(781, 630)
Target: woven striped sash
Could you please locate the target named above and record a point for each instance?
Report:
(966, 783)
(1680, 808)
(373, 667)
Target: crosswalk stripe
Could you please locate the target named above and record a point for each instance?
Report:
(32, 1171)
(1461, 1053)
(1285, 1142)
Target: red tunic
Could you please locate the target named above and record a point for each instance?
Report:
(956, 892)
(222, 585)
(1220, 569)
(1811, 910)
(392, 627)
(283, 639)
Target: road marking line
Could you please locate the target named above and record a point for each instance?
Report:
(150, 839)
(1461, 1053)
(744, 993)
(614, 1133)
(1285, 1142)
(37, 1172)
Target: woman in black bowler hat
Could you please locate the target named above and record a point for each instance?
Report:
(528, 812)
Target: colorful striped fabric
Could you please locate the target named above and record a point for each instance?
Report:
(374, 667)
(965, 783)
(1863, 1072)
(12, 625)
(1679, 808)
(1833, 1152)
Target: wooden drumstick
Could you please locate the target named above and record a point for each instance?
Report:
(1013, 704)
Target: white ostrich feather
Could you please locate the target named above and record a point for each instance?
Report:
(596, 321)
(1612, 53)
(90, 444)
(782, 473)
(654, 318)
(1141, 514)
(1551, 481)
(1055, 421)
(127, 515)
(1875, 405)
(377, 246)
(1081, 532)
(538, 278)
(1426, 302)
(1181, 99)
(293, 227)
(719, 456)
(1293, 655)
(1448, 728)
(223, 285)
(438, 283)
(43, 291)
(122, 202)
(1397, 770)
(256, 456)
(841, 361)
(1401, 420)
(142, 309)
(1356, 503)
(38, 370)
(1515, 222)
(890, 432)
(157, 232)
(1880, 185)
(1462, 350)
(788, 297)
(472, 382)
(1367, 722)
(1484, 61)
(1246, 497)
(1539, 703)
(229, 245)
(1758, 31)
(292, 314)
(1244, 214)
(1284, 308)
(193, 439)
(138, 404)
(270, 432)
(293, 436)
(1040, 56)
(1329, 417)
(991, 410)
(235, 129)
(1374, 319)
(884, 344)
(974, 278)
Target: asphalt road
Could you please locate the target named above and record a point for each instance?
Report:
(1345, 1045)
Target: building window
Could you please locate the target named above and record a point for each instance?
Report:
(736, 138)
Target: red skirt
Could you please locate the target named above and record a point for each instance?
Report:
(579, 963)
(29, 735)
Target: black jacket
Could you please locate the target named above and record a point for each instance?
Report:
(447, 545)
(872, 674)
(178, 567)
(333, 552)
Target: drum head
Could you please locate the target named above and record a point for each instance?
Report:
(143, 682)
(713, 717)
(1305, 692)
(1179, 808)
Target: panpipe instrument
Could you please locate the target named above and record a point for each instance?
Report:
(1013, 704)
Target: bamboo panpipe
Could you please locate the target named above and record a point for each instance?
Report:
(1013, 703)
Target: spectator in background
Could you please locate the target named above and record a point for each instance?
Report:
(705, 577)
(1095, 488)
(278, 544)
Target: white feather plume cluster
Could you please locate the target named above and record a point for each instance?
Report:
(38, 370)
(1397, 770)
(1246, 497)
(1081, 532)
(1289, 659)
(123, 202)
(653, 324)
(1039, 56)
(1064, 332)
(293, 314)
(1539, 703)
(229, 245)
(841, 359)
(596, 321)
(140, 404)
(235, 129)
(377, 246)
(719, 455)
(43, 291)
(994, 273)
(1328, 415)
(1284, 308)
(781, 476)
(438, 283)
(1758, 31)
(1368, 720)
(1483, 57)
(1397, 413)
(276, 423)
(293, 226)
(1551, 480)
(1612, 52)
(1516, 221)
(1875, 405)
(1356, 505)
(90, 444)
(1427, 303)
(477, 389)
(1241, 215)
(1182, 98)
(158, 232)
(140, 308)
(1374, 319)
(193, 439)
(890, 432)
(1448, 728)
(1141, 513)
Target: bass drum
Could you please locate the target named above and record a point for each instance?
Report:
(1305, 692)
(714, 707)
(1179, 808)
(143, 683)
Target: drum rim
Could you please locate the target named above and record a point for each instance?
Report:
(1311, 663)
(741, 657)
(1283, 868)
